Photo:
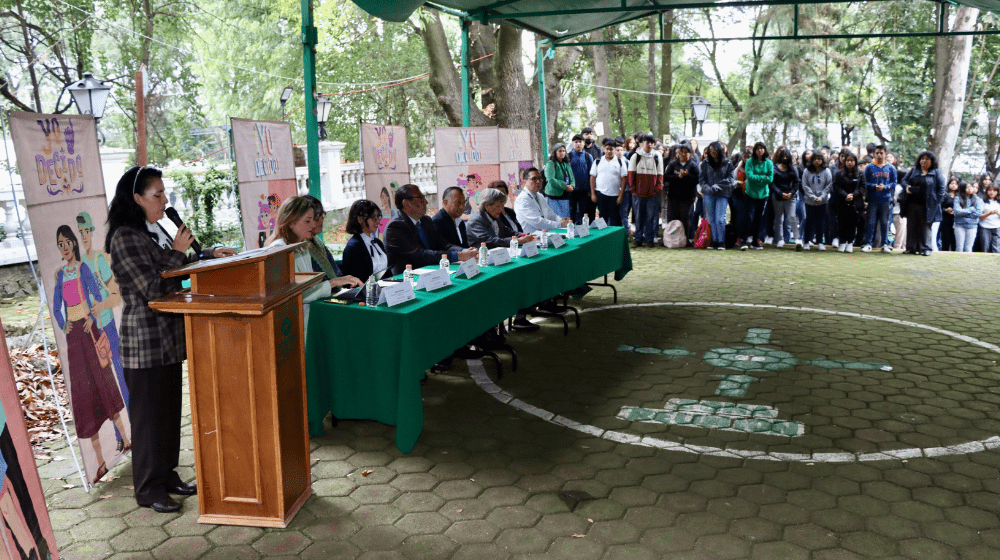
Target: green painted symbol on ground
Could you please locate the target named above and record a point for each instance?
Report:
(715, 415)
(670, 352)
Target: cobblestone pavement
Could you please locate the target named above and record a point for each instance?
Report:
(776, 430)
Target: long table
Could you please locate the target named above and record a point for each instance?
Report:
(367, 363)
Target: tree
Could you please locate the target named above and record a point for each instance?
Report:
(601, 92)
(654, 126)
(666, 74)
(948, 113)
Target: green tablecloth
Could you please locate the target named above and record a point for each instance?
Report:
(365, 363)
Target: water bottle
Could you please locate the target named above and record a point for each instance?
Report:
(371, 299)
(445, 263)
(484, 257)
(545, 239)
(570, 230)
(408, 274)
(586, 221)
(513, 247)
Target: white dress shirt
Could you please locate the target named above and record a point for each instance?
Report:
(380, 261)
(533, 212)
(157, 231)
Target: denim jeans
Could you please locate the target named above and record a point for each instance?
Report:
(740, 209)
(815, 223)
(647, 217)
(989, 238)
(607, 207)
(965, 237)
(879, 212)
(624, 208)
(784, 211)
(560, 207)
(715, 212)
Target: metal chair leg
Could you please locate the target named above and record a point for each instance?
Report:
(605, 284)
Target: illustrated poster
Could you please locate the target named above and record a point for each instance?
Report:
(69, 226)
(24, 519)
(386, 166)
(515, 159)
(468, 158)
(265, 173)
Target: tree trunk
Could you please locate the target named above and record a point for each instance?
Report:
(444, 80)
(654, 127)
(481, 45)
(948, 115)
(601, 76)
(942, 45)
(515, 106)
(29, 52)
(621, 114)
(992, 137)
(666, 74)
(555, 70)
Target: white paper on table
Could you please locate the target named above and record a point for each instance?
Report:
(529, 249)
(499, 256)
(582, 231)
(469, 269)
(599, 223)
(432, 268)
(556, 240)
(431, 281)
(399, 292)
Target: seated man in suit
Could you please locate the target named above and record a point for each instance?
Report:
(411, 238)
(448, 220)
(531, 207)
(487, 226)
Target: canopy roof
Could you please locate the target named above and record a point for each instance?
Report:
(562, 19)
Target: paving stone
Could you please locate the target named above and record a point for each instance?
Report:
(570, 548)
(893, 527)
(423, 523)
(419, 501)
(330, 550)
(326, 528)
(869, 544)
(429, 547)
(783, 550)
(138, 539)
(518, 540)
(230, 535)
(284, 542)
(182, 548)
(514, 516)
(379, 537)
(926, 548)
(668, 539)
(97, 529)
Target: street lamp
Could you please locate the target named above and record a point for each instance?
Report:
(285, 95)
(323, 106)
(699, 107)
(90, 96)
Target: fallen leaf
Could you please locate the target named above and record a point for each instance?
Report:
(577, 536)
(106, 496)
(130, 487)
(68, 486)
(590, 520)
(458, 511)
(366, 473)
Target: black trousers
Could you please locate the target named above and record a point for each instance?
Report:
(916, 228)
(154, 409)
(580, 205)
(757, 207)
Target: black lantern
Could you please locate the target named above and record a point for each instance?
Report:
(323, 106)
(699, 107)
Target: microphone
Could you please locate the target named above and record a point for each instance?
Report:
(176, 219)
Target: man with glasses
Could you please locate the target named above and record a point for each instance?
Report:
(411, 238)
(532, 209)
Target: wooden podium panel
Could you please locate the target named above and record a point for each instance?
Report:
(246, 365)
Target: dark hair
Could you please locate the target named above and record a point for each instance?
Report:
(881, 147)
(982, 179)
(954, 179)
(577, 137)
(766, 153)
(67, 232)
(317, 205)
(870, 148)
(806, 157)
(993, 187)
(607, 141)
(647, 138)
(530, 169)
(719, 151)
(448, 192)
(816, 156)
(963, 195)
(782, 155)
(737, 159)
(406, 192)
(930, 154)
(552, 156)
(855, 170)
(363, 208)
(499, 185)
(124, 211)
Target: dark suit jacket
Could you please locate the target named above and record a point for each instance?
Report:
(446, 227)
(357, 262)
(481, 231)
(512, 218)
(404, 247)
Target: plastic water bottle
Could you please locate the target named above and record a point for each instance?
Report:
(570, 230)
(445, 263)
(513, 247)
(408, 274)
(545, 239)
(484, 257)
(586, 221)
(371, 299)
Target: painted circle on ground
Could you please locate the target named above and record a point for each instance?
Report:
(744, 359)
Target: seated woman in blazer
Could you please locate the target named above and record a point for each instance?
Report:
(508, 213)
(364, 254)
(487, 226)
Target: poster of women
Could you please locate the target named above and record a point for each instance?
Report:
(467, 157)
(84, 300)
(265, 173)
(25, 527)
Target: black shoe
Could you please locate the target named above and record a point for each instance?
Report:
(183, 489)
(524, 325)
(166, 505)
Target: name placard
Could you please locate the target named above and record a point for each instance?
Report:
(599, 223)
(499, 256)
(397, 293)
(431, 281)
(469, 269)
(529, 250)
(582, 231)
(556, 240)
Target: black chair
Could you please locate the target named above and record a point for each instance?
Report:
(487, 345)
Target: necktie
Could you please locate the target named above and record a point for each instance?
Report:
(464, 239)
(372, 248)
(423, 236)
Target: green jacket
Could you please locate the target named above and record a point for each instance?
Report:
(557, 177)
(760, 174)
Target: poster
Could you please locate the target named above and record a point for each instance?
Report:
(64, 188)
(24, 519)
(386, 166)
(265, 173)
(515, 160)
(381, 189)
(468, 158)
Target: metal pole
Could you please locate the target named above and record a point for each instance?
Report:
(309, 36)
(540, 62)
(795, 33)
(465, 72)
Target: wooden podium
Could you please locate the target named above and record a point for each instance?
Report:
(246, 366)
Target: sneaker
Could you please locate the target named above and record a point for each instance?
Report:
(744, 247)
(842, 248)
(836, 241)
(798, 246)
(850, 247)
(821, 247)
(781, 243)
(739, 241)
(722, 246)
(807, 246)
(757, 246)
(769, 240)
(866, 249)
(887, 249)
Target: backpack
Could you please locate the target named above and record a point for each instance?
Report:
(674, 236)
(703, 236)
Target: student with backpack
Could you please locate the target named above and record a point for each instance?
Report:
(607, 183)
(580, 203)
(715, 183)
(645, 173)
(682, 177)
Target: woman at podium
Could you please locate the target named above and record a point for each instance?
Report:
(296, 222)
(152, 344)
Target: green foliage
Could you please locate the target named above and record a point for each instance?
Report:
(203, 196)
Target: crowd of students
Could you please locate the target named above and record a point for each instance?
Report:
(823, 198)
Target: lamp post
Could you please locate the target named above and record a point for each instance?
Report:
(323, 106)
(91, 97)
(285, 95)
(699, 108)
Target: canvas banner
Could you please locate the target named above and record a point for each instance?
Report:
(24, 519)
(265, 173)
(385, 153)
(69, 226)
(515, 159)
(467, 157)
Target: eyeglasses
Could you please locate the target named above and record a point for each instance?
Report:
(136, 180)
(417, 198)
